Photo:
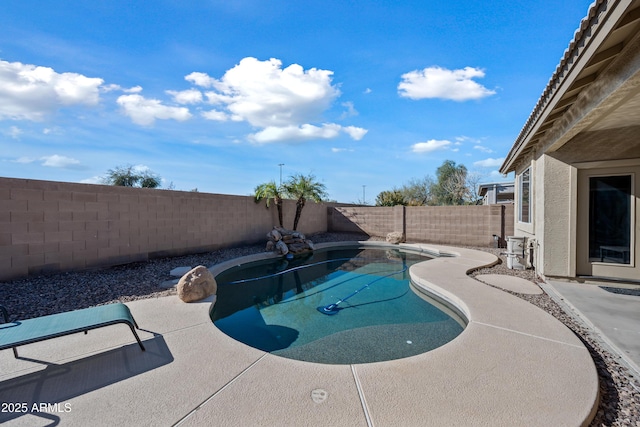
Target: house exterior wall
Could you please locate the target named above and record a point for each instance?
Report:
(586, 122)
(54, 226)
(557, 214)
(552, 224)
(556, 208)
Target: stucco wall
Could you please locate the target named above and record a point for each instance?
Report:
(556, 224)
(553, 199)
(54, 226)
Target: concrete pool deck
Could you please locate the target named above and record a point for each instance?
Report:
(514, 364)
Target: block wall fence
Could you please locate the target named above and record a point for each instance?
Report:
(48, 226)
(447, 225)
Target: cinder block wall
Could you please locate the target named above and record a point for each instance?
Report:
(449, 225)
(50, 226)
(455, 225)
(375, 221)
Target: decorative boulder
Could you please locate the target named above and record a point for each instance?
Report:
(285, 242)
(197, 284)
(395, 237)
(282, 248)
(274, 235)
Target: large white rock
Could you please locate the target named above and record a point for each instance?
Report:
(197, 284)
(395, 237)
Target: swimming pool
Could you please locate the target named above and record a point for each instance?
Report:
(336, 306)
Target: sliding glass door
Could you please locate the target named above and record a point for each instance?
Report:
(607, 223)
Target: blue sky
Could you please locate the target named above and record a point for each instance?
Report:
(215, 95)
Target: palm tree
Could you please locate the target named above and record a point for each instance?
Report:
(301, 188)
(270, 191)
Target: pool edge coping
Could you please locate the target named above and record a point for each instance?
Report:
(462, 261)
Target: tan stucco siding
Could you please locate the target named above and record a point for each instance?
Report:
(555, 226)
(553, 207)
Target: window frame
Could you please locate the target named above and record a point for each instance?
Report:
(521, 203)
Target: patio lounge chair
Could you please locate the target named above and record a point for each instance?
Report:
(14, 334)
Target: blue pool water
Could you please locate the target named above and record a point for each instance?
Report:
(273, 306)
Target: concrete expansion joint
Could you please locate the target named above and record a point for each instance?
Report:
(185, 328)
(529, 335)
(220, 390)
(363, 400)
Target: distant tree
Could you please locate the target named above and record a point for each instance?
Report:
(149, 180)
(450, 188)
(390, 198)
(419, 192)
(453, 186)
(270, 191)
(302, 188)
(129, 176)
(473, 192)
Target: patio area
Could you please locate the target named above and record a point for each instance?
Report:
(513, 365)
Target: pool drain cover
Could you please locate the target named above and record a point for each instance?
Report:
(319, 395)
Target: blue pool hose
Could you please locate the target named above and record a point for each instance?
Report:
(332, 309)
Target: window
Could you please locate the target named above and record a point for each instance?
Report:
(524, 211)
(610, 219)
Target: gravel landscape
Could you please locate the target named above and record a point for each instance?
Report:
(54, 293)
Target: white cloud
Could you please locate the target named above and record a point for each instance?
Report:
(145, 111)
(189, 96)
(114, 87)
(57, 161)
(483, 149)
(141, 168)
(283, 103)
(295, 133)
(461, 139)
(93, 180)
(29, 92)
(350, 110)
(497, 175)
(437, 82)
(15, 132)
(24, 160)
(264, 94)
(200, 79)
(355, 132)
(55, 130)
(489, 163)
(340, 150)
(429, 146)
(367, 91)
(219, 116)
(305, 132)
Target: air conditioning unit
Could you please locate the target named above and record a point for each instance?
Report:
(515, 252)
